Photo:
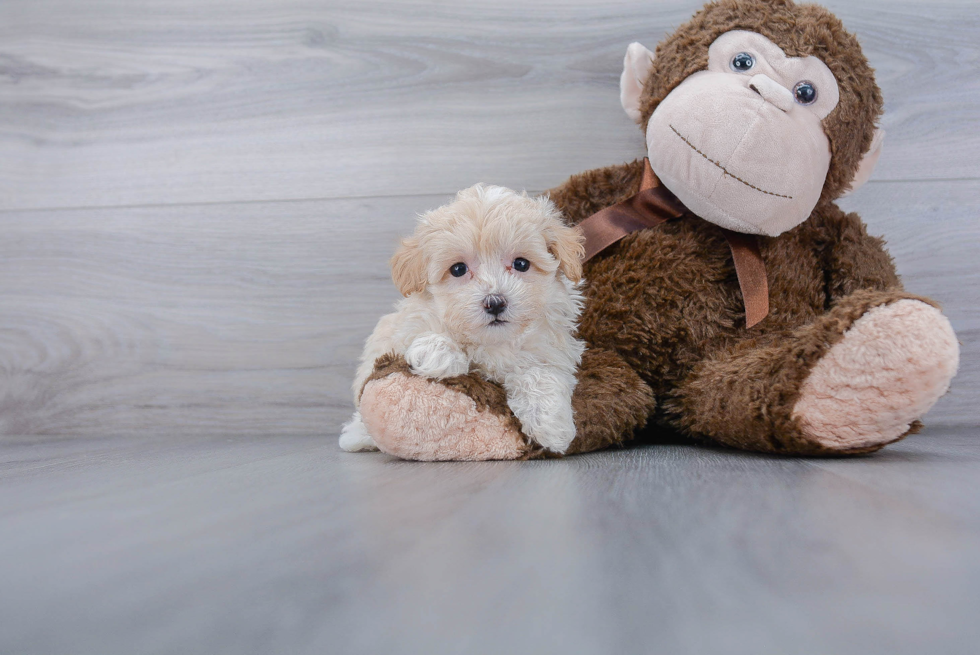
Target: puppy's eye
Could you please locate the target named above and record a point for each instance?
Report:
(458, 269)
(521, 264)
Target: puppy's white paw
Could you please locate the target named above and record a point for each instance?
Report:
(554, 432)
(354, 436)
(436, 356)
(542, 401)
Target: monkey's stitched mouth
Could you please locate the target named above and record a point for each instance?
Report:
(725, 170)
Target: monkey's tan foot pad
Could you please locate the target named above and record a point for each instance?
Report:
(888, 370)
(464, 418)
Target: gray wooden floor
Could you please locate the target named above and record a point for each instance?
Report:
(197, 204)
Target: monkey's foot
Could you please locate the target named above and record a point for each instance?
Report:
(871, 388)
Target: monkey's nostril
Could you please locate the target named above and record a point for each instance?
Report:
(772, 92)
(494, 305)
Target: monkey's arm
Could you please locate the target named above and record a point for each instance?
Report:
(854, 260)
(584, 194)
(467, 417)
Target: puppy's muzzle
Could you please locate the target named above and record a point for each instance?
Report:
(494, 305)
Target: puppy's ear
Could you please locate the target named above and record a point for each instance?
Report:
(408, 267)
(567, 245)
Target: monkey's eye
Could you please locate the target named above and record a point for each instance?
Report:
(742, 62)
(521, 264)
(805, 93)
(458, 269)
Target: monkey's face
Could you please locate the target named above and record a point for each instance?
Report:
(742, 144)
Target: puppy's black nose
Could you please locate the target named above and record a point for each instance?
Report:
(495, 305)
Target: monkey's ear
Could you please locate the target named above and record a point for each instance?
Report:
(567, 245)
(867, 165)
(636, 69)
(408, 267)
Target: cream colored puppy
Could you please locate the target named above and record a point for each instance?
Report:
(490, 284)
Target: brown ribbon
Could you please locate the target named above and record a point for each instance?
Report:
(655, 204)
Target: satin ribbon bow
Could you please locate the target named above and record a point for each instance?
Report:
(655, 204)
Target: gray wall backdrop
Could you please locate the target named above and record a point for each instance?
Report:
(198, 200)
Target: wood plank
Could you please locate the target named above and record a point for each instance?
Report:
(110, 103)
(682, 551)
(213, 318)
(932, 473)
(269, 543)
(249, 318)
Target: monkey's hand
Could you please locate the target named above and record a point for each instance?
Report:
(458, 418)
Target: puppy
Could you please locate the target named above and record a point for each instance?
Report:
(491, 284)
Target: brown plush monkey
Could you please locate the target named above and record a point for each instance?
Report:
(758, 114)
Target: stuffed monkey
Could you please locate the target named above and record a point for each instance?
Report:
(758, 114)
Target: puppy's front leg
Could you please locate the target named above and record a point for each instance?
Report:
(436, 356)
(541, 399)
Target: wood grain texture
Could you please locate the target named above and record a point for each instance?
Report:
(109, 102)
(197, 205)
(285, 545)
(213, 318)
(249, 318)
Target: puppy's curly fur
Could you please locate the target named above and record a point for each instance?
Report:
(490, 284)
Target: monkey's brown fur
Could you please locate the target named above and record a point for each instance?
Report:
(667, 302)
(664, 318)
